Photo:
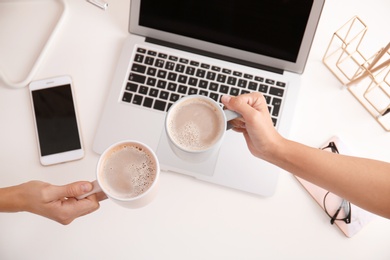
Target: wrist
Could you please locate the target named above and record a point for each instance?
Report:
(277, 153)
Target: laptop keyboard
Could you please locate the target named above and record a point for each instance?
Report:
(157, 80)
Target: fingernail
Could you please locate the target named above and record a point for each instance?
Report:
(86, 187)
(226, 98)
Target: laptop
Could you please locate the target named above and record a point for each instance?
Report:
(177, 48)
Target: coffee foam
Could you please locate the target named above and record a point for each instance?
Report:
(127, 171)
(195, 124)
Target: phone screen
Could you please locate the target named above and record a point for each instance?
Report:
(56, 120)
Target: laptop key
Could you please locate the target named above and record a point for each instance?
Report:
(180, 68)
(185, 61)
(226, 71)
(203, 83)
(193, 91)
(215, 68)
(160, 105)
(260, 79)
(149, 60)
(139, 58)
(151, 71)
(200, 73)
(143, 90)
(276, 92)
(162, 55)
(159, 63)
(224, 89)
(153, 92)
(221, 78)
(161, 84)
(280, 84)
(131, 87)
(174, 97)
(141, 50)
(169, 65)
(211, 75)
(137, 100)
(252, 85)
(237, 74)
(151, 82)
(182, 89)
(232, 81)
(164, 95)
(194, 63)
(270, 81)
(127, 97)
(137, 78)
(172, 76)
(234, 91)
(148, 102)
(242, 83)
(172, 86)
(138, 68)
(193, 81)
(161, 74)
(204, 93)
(263, 88)
(276, 102)
(152, 53)
(248, 76)
(182, 79)
(214, 96)
(205, 66)
(190, 70)
(173, 58)
(213, 86)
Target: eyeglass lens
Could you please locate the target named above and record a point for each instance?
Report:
(337, 208)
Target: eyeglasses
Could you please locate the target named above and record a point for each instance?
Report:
(335, 207)
(332, 147)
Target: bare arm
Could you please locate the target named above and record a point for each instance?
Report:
(364, 182)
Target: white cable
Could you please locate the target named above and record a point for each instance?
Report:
(38, 61)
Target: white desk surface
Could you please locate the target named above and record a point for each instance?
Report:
(189, 219)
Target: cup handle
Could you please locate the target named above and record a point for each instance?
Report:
(96, 188)
(230, 115)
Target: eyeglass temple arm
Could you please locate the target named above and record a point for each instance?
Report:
(334, 217)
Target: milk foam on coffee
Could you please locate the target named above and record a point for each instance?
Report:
(195, 124)
(127, 171)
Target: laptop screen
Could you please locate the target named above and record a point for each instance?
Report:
(273, 28)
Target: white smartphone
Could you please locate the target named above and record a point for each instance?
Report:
(56, 121)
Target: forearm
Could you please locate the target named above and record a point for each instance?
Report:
(11, 199)
(364, 182)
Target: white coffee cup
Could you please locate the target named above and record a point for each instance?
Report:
(195, 126)
(128, 173)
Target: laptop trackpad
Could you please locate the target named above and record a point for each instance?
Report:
(170, 162)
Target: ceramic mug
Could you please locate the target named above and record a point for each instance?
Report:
(128, 173)
(195, 127)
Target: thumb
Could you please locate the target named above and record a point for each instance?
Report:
(73, 189)
(247, 105)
